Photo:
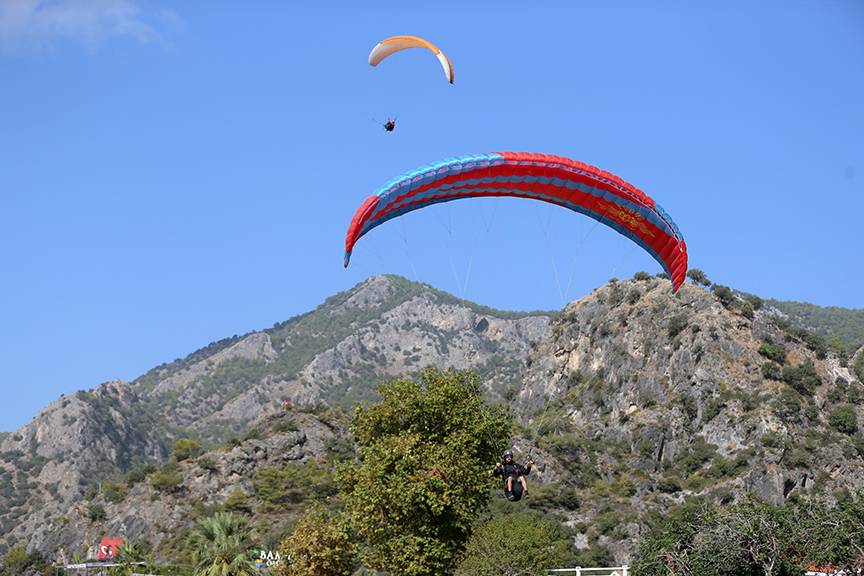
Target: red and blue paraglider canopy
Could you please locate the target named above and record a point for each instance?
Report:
(555, 179)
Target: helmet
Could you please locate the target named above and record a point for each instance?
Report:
(508, 453)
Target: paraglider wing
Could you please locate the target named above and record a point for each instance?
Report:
(397, 43)
(554, 179)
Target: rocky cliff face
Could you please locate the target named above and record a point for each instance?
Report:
(162, 501)
(47, 464)
(640, 398)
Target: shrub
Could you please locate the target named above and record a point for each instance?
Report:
(676, 324)
(95, 512)
(641, 276)
(843, 419)
(281, 487)
(696, 455)
(114, 492)
(802, 378)
(788, 405)
(755, 301)
(186, 448)
(669, 485)
(207, 463)
(237, 502)
(772, 371)
(166, 480)
(772, 351)
(724, 294)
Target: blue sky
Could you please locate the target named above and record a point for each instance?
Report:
(175, 173)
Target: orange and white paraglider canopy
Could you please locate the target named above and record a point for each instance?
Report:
(398, 43)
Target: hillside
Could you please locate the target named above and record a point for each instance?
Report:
(844, 324)
(641, 399)
(632, 400)
(335, 354)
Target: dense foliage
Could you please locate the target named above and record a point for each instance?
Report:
(320, 545)
(751, 538)
(221, 545)
(515, 545)
(426, 452)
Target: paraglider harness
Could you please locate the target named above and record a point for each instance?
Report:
(513, 470)
(390, 125)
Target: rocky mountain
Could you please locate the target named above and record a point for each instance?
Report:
(640, 399)
(157, 503)
(334, 355)
(633, 400)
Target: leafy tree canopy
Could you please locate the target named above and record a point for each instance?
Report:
(427, 451)
(515, 545)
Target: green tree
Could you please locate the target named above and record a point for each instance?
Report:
(319, 546)
(220, 546)
(186, 448)
(515, 545)
(802, 378)
(698, 277)
(724, 294)
(772, 351)
(843, 419)
(427, 451)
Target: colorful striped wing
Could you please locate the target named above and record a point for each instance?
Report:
(554, 179)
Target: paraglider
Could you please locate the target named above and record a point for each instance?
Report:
(554, 179)
(515, 485)
(390, 125)
(395, 44)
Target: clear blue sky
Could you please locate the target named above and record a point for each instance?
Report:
(175, 173)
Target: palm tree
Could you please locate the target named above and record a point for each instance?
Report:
(128, 554)
(220, 546)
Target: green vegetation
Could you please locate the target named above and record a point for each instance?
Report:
(772, 371)
(676, 324)
(17, 561)
(843, 419)
(320, 545)
(802, 378)
(167, 479)
(753, 538)
(221, 545)
(845, 324)
(237, 502)
(858, 367)
(698, 277)
(772, 351)
(114, 492)
(514, 545)
(724, 294)
(186, 448)
(280, 487)
(95, 512)
(432, 444)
